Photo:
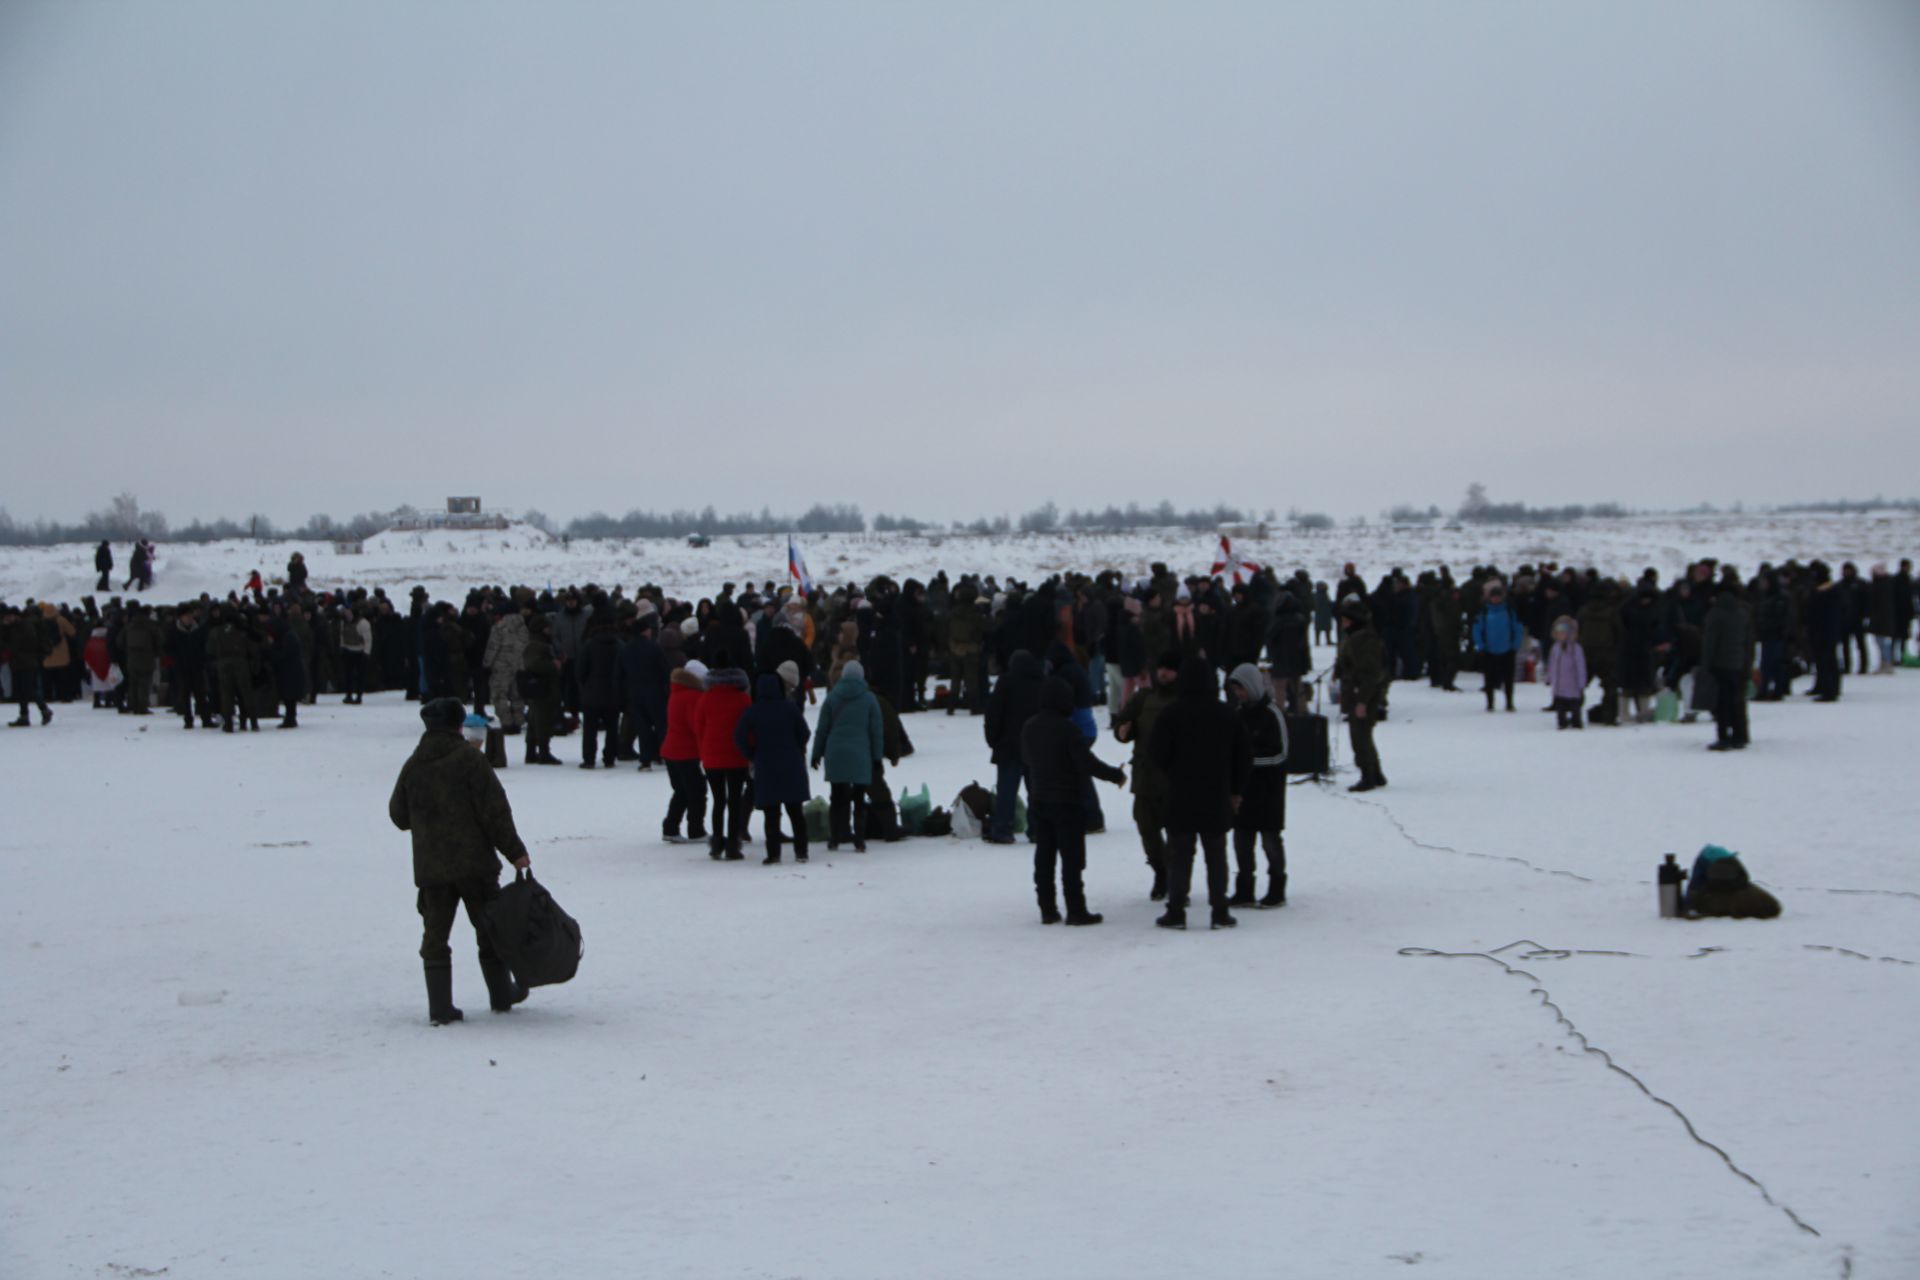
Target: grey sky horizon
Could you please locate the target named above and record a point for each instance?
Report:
(957, 260)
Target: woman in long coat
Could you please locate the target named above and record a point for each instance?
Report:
(772, 734)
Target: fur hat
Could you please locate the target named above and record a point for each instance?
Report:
(443, 713)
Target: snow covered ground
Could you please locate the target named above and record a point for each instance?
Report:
(882, 1065)
(447, 563)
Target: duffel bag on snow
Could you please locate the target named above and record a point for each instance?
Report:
(539, 942)
(1308, 751)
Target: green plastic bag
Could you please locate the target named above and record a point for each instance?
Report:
(914, 810)
(1911, 660)
(815, 813)
(1666, 707)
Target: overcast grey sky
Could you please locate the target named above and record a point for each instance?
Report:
(960, 258)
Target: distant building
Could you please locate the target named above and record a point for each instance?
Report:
(461, 513)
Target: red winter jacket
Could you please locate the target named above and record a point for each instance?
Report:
(683, 703)
(715, 716)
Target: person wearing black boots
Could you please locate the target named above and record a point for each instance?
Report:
(1135, 724)
(1262, 815)
(1361, 668)
(1203, 749)
(1060, 767)
(540, 685)
(451, 802)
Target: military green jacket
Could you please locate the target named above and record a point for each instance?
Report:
(1141, 711)
(1361, 669)
(449, 798)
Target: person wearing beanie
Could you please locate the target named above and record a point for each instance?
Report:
(849, 740)
(714, 720)
(540, 683)
(1060, 770)
(503, 658)
(1361, 668)
(457, 812)
(1262, 816)
(1151, 788)
(680, 750)
(1203, 749)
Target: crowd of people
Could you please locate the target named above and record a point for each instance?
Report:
(737, 697)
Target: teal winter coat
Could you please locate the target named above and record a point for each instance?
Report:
(851, 733)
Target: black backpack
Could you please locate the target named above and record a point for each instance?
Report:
(539, 942)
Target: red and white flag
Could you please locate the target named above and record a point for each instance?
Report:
(1243, 570)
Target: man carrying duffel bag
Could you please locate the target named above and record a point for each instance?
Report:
(449, 798)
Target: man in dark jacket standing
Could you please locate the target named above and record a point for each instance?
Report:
(597, 679)
(1061, 768)
(1202, 748)
(643, 687)
(449, 798)
(1015, 700)
(1361, 669)
(1151, 790)
(1726, 651)
(103, 565)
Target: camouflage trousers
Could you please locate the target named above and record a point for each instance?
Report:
(506, 699)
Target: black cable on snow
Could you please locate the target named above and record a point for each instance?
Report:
(1538, 952)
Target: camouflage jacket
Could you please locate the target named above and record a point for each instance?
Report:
(449, 798)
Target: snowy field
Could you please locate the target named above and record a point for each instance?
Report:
(448, 563)
(882, 1065)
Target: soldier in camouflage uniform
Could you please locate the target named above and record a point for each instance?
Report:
(1151, 786)
(457, 811)
(140, 640)
(1361, 669)
(966, 632)
(505, 653)
(227, 650)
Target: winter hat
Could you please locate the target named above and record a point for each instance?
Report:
(443, 713)
(855, 670)
(789, 675)
(690, 627)
(474, 729)
(697, 669)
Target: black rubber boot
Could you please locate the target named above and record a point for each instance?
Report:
(440, 1010)
(1159, 891)
(503, 989)
(1242, 890)
(1276, 894)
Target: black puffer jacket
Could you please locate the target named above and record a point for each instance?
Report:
(1202, 748)
(1059, 762)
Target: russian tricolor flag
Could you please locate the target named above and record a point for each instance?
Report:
(797, 566)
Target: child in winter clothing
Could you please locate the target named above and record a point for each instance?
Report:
(1567, 673)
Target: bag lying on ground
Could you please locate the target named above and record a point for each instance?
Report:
(938, 823)
(914, 808)
(539, 942)
(966, 824)
(1719, 886)
(815, 812)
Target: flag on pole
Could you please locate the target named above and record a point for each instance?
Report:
(1243, 570)
(797, 566)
